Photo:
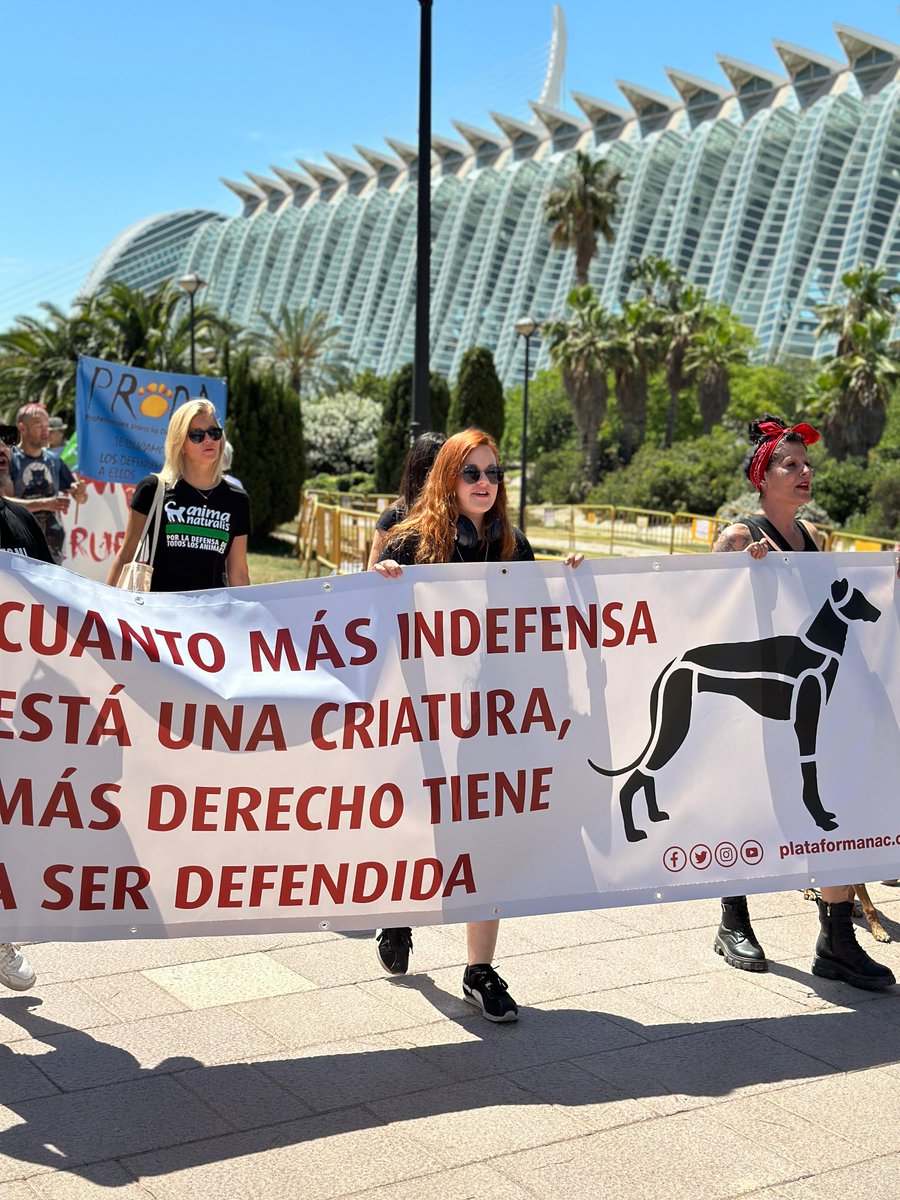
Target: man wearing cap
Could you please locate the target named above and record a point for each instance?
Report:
(42, 482)
(57, 436)
(19, 534)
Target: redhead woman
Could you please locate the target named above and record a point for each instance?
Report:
(206, 519)
(780, 470)
(460, 516)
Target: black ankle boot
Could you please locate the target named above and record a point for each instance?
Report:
(735, 939)
(839, 955)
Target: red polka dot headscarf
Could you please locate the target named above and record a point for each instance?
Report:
(759, 464)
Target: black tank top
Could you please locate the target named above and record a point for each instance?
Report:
(761, 529)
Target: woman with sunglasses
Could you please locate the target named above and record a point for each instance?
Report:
(460, 516)
(206, 519)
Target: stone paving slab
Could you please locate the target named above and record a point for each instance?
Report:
(270, 1066)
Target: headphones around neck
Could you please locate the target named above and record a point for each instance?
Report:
(467, 536)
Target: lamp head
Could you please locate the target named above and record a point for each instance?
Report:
(191, 283)
(526, 326)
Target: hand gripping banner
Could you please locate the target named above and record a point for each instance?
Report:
(462, 743)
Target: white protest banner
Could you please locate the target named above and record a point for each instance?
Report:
(96, 529)
(352, 752)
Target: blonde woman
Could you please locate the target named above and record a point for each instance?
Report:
(206, 519)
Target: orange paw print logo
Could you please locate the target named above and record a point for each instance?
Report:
(156, 397)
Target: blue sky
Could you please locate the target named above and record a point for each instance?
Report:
(113, 112)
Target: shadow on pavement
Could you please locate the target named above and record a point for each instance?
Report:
(101, 1104)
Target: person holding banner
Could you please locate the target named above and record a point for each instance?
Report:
(460, 516)
(206, 520)
(19, 534)
(779, 468)
(41, 481)
(419, 462)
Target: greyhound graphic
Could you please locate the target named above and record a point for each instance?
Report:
(785, 678)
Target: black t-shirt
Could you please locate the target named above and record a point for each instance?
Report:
(198, 530)
(761, 528)
(404, 552)
(391, 516)
(21, 534)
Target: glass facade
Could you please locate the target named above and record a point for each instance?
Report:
(764, 193)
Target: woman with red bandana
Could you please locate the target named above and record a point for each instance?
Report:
(779, 469)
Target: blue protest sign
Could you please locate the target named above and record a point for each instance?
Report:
(122, 414)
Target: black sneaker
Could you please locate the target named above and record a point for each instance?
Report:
(484, 988)
(393, 948)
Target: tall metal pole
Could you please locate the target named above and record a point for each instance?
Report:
(524, 454)
(421, 414)
(193, 354)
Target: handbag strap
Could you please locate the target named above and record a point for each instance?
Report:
(154, 515)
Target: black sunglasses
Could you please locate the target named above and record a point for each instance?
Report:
(197, 436)
(9, 435)
(471, 474)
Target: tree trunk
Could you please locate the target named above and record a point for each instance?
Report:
(713, 397)
(631, 398)
(588, 393)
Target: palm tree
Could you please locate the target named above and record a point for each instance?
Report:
(38, 356)
(865, 294)
(152, 329)
(579, 346)
(678, 317)
(302, 344)
(632, 351)
(721, 342)
(860, 383)
(584, 209)
(863, 370)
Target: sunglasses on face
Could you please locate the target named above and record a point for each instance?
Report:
(197, 436)
(9, 435)
(471, 474)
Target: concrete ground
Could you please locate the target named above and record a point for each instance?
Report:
(289, 1066)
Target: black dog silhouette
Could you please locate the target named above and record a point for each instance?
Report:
(786, 678)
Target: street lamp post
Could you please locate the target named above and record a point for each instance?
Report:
(421, 403)
(526, 327)
(192, 284)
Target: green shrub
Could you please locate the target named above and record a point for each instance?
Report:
(258, 403)
(393, 436)
(696, 476)
(841, 488)
(883, 516)
(558, 478)
(478, 399)
(550, 424)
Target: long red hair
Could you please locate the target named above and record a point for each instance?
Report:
(432, 519)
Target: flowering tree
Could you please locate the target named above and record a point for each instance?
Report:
(340, 433)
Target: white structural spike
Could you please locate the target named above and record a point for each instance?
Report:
(477, 138)
(271, 188)
(855, 44)
(301, 184)
(378, 160)
(350, 168)
(556, 66)
(689, 85)
(251, 196)
(795, 58)
(594, 109)
(320, 173)
(739, 72)
(555, 119)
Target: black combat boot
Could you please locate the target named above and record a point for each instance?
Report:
(839, 955)
(735, 939)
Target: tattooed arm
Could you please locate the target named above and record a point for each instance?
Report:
(737, 537)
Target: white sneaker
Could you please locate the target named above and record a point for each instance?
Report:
(16, 971)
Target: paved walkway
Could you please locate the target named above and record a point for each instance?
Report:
(290, 1067)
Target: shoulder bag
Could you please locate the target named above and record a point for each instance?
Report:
(136, 576)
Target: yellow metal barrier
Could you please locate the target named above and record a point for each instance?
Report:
(338, 536)
(838, 540)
